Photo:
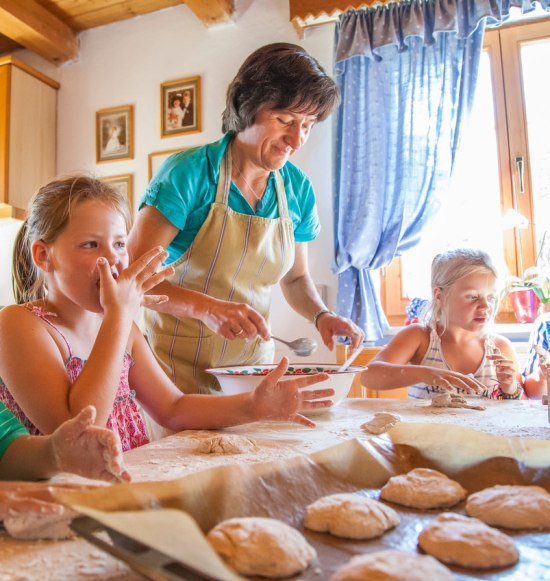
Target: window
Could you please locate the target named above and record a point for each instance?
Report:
(503, 164)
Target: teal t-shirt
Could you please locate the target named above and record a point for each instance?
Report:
(185, 186)
(10, 428)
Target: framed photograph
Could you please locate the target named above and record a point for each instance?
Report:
(124, 184)
(180, 110)
(156, 158)
(115, 134)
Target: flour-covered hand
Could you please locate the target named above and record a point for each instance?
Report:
(280, 399)
(88, 450)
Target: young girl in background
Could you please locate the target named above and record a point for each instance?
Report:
(71, 341)
(453, 350)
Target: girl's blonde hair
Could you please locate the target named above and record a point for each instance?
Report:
(449, 267)
(48, 214)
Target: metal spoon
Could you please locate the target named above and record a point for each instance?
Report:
(302, 347)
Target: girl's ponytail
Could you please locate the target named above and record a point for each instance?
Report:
(26, 280)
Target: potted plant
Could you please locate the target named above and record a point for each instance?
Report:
(527, 293)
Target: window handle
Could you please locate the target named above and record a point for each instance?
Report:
(520, 172)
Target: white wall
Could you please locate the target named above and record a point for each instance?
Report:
(125, 63)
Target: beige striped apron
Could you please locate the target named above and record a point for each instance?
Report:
(234, 257)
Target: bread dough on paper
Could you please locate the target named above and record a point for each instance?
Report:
(393, 566)
(261, 546)
(350, 516)
(456, 539)
(381, 422)
(423, 488)
(226, 444)
(454, 400)
(31, 526)
(512, 507)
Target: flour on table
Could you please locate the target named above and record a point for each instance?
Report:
(350, 516)
(511, 507)
(423, 488)
(261, 546)
(381, 422)
(393, 566)
(226, 444)
(40, 526)
(460, 540)
(454, 400)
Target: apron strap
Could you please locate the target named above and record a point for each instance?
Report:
(224, 180)
(281, 196)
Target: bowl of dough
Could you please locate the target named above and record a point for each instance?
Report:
(245, 378)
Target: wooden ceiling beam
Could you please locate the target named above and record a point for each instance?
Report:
(212, 11)
(37, 29)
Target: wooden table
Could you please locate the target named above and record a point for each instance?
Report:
(174, 457)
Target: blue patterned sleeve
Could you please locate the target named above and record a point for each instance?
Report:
(540, 335)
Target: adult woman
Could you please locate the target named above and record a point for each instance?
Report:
(235, 216)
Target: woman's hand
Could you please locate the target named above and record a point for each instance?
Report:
(234, 320)
(331, 325)
(276, 399)
(451, 380)
(505, 370)
(82, 448)
(127, 291)
(27, 497)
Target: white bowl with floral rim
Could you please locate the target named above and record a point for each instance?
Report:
(245, 378)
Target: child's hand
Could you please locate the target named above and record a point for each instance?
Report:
(451, 380)
(127, 291)
(543, 360)
(505, 370)
(274, 399)
(88, 450)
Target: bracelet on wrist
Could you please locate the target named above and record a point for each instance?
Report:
(319, 314)
(514, 395)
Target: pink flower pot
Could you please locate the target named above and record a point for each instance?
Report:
(525, 304)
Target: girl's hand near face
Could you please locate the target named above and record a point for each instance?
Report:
(276, 399)
(126, 293)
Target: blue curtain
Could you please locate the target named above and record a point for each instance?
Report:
(407, 73)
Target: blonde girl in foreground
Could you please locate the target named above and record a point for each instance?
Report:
(71, 340)
(453, 351)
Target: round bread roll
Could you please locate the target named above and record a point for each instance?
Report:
(512, 507)
(381, 422)
(350, 516)
(261, 546)
(423, 488)
(393, 566)
(460, 540)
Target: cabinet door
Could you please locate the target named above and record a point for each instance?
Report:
(4, 139)
(32, 143)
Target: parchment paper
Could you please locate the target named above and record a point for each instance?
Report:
(283, 489)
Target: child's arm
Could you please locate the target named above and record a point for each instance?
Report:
(31, 363)
(395, 366)
(272, 399)
(536, 383)
(77, 446)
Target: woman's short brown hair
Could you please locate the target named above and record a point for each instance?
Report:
(278, 76)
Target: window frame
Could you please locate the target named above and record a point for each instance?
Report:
(503, 46)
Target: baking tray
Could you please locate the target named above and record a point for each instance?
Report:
(283, 489)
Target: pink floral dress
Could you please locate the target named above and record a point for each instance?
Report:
(125, 418)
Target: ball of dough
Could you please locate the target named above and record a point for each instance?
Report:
(423, 488)
(393, 566)
(261, 546)
(381, 422)
(226, 444)
(512, 507)
(350, 516)
(30, 526)
(460, 540)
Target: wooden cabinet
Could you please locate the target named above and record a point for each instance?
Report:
(28, 103)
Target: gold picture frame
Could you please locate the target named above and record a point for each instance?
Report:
(115, 134)
(124, 183)
(156, 158)
(180, 107)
